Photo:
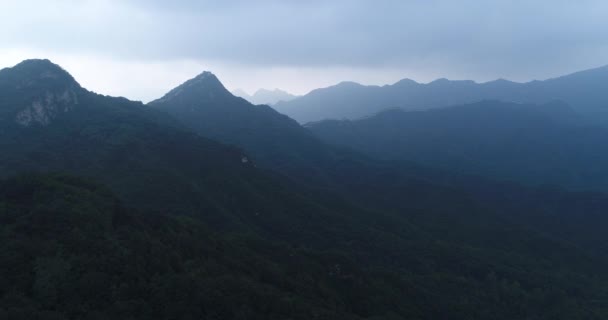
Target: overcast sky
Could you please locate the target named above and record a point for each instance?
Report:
(142, 48)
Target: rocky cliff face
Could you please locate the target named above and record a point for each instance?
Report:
(44, 109)
(36, 92)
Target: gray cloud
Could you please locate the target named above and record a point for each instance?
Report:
(466, 39)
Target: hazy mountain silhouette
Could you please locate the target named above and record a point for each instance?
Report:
(278, 143)
(265, 96)
(537, 144)
(241, 94)
(153, 162)
(584, 91)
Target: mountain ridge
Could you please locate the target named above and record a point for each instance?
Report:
(265, 96)
(272, 139)
(549, 143)
(206, 84)
(582, 90)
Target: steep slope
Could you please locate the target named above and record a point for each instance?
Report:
(71, 129)
(584, 91)
(152, 162)
(272, 139)
(525, 143)
(35, 94)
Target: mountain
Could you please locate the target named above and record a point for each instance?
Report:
(154, 163)
(278, 143)
(583, 91)
(147, 158)
(376, 185)
(533, 144)
(50, 123)
(265, 96)
(241, 93)
(191, 228)
(39, 93)
(272, 139)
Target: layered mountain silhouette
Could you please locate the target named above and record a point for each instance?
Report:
(149, 159)
(280, 144)
(584, 91)
(265, 96)
(50, 123)
(277, 225)
(274, 140)
(534, 144)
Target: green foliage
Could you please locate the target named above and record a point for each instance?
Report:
(71, 250)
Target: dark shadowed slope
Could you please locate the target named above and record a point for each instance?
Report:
(50, 123)
(148, 159)
(585, 91)
(535, 144)
(69, 249)
(272, 139)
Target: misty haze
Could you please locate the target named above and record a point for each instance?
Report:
(303, 160)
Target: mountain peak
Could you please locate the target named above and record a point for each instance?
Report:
(38, 72)
(205, 86)
(206, 81)
(207, 75)
(41, 91)
(405, 83)
(40, 63)
(439, 81)
(348, 84)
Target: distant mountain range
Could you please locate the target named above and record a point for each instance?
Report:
(534, 144)
(278, 143)
(265, 96)
(585, 91)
